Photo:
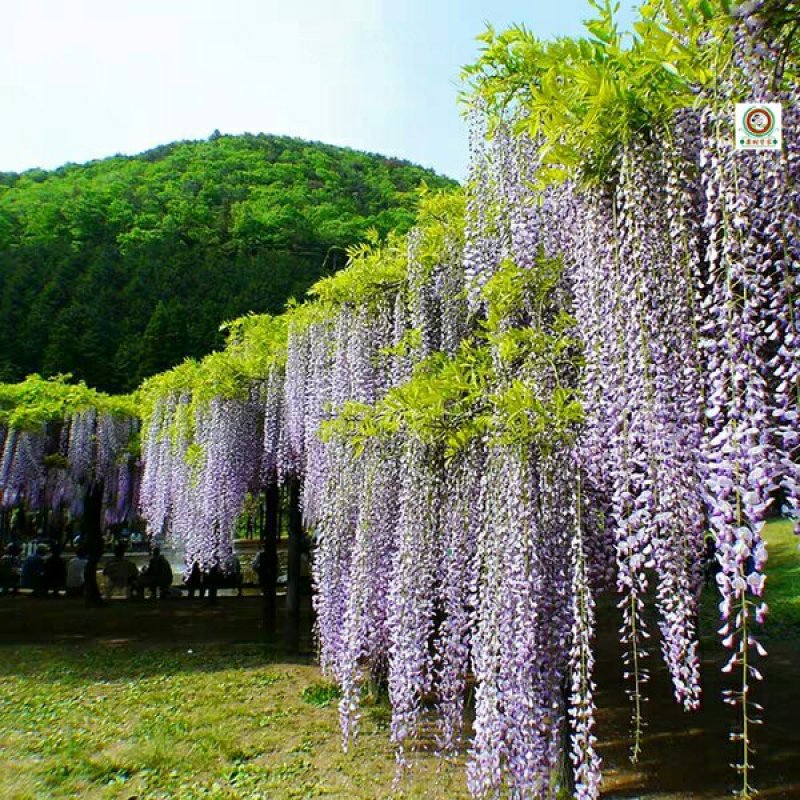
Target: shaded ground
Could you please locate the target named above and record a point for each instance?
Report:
(177, 699)
(27, 620)
(689, 755)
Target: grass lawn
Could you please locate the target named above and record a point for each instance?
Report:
(206, 721)
(783, 580)
(182, 701)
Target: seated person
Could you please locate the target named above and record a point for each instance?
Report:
(261, 567)
(120, 572)
(195, 582)
(9, 572)
(76, 568)
(233, 573)
(55, 572)
(157, 576)
(212, 581)
(33, 571)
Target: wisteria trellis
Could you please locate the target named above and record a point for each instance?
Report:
(466, 516)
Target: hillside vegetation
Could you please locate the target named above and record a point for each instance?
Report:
(117, 269)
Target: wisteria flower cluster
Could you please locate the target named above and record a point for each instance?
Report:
(54, 465)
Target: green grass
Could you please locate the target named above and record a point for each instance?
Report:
(321, 694)
(213, 722)
(782, 593)
(783, 578)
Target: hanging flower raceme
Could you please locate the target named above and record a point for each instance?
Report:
(669, 503)
(582, 707)
(519, 655)
(640, 386)
(319, 391)
(155, 499)
(169, 493)
(480, 246)
(335, 535)
(274, 423)
(81, 449)
(590, 261)
(412, 594)
(185, 523)
(115, 468)
(456, 578)
(22, 471)
(749, 335)
(365, 634)
(53, 459)
(297, 378)
(231, 449)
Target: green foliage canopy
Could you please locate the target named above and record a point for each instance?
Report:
(37, 401)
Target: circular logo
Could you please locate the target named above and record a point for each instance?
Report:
(759, 121)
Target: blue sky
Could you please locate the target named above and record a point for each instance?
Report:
(84, 79)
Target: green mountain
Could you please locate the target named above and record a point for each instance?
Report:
(117, 269)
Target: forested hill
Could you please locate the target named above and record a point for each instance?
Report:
(117, 269)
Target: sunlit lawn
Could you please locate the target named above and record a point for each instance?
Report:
(783, 579)
(210, 722)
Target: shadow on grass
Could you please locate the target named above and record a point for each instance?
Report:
(55, 639)
(688, 755)
(115, 660)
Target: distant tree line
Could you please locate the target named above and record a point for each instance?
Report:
(118, 269)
